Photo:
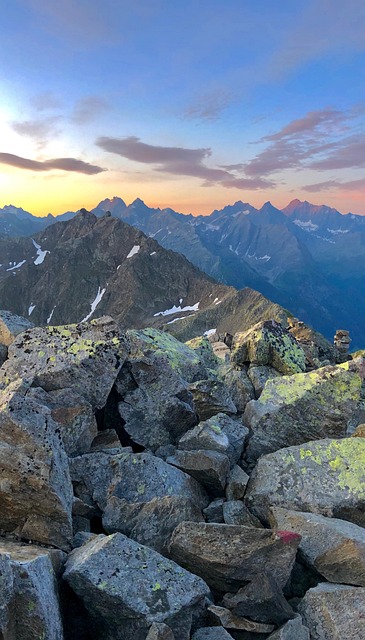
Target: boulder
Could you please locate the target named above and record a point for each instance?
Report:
(211, 397)
(85, 357)
(230, 621)
(3, 353)
(237, 483)
(160, 631)
(210, 468)
(239, 386)
(259, 375)
(324, 476)
(214, 511)
(335, 548)
(29, 602)
(126, 587)
(261, 600)
(211, 633)
(268, 343)
(227, 556)
(235, 512)
(158, 408)
(11, 325)
(291, 630)
(204, 350)
(186, 362)
(35, 487)
(308, 406)
(219, 433)
(137, 494)
(334, 611)
(73, 415)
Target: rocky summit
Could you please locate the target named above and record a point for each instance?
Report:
(155, 489)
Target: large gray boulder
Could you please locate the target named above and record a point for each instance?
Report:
(268, 343)
(156, 405)
(85, 357)
(211, 397)
(239, 386)
(29, 600)
(291, 630)
(227, 556)
(11, 325)
(35, 487)
(308, 406)
(335, 548)
(334, 611)
(126, 587)
(325, 477)
(210, 468)
(138, 494)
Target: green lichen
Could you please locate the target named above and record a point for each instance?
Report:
(41, 354)
(156, 587)
(141, 488)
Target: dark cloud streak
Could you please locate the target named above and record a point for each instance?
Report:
(62, 164)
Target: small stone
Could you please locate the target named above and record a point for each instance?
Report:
(229, 621)
(237, 483)
(210, 468)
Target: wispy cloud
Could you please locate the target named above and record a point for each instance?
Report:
(39, 129)
(177, 161)
(88, 109)
(45, 101)
(350, 185)
(210, 106)
(62, 164)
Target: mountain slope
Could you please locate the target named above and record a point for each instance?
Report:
(90, 266)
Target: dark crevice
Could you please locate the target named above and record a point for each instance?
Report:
(109, 418)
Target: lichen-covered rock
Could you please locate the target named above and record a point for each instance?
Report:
(11, 325)
(35, 487)
(323, 476)
(210, 468)
(126, 587)
(335, 548)
(211, 633)
(259, 375)
(160, 631)
(204, 350)
(315, 346)
(29, 603)
(307, 406)
(235, 512)
(157, 408)
(73, 415)
(137, 494)
(268, 343)
(291, 630)
(210, 398)
(227, 556)
(334, 611)
(85, 357)
(184, 361)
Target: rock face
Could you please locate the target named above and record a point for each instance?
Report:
(227, 556)
(11, 325)
(85, 357)
(126, 587)
(325, 477)
(335, 548)
(307, 406)
(29, 605)
(267, 343)
(334, 611)
(35, 488)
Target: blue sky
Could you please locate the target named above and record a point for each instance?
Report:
(191, 105)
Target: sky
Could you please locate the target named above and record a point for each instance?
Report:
(185, 104)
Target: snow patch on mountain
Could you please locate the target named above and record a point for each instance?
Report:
(31, 308)
(16, 266)
(133, 251)
(209, 332)
(50, 315)
(40, 254)
(337, 231)
(179, 309)
(94, 304)
(306, 226)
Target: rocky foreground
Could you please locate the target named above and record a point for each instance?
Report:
(155, 490)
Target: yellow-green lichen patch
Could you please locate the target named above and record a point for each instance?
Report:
(179, 355)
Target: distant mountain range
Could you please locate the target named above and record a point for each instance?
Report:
(88, 266)
(309, 259)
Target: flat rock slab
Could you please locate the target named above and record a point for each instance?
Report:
(126, 587)
(35, 488)
(334, 611)
(29, 605)
(324, 476)
(86, 357)
(228, 556)
(11, 325)
(321, 404)
(335, 548)
(230, 621)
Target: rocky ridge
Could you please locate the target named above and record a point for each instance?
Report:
(156, 490)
